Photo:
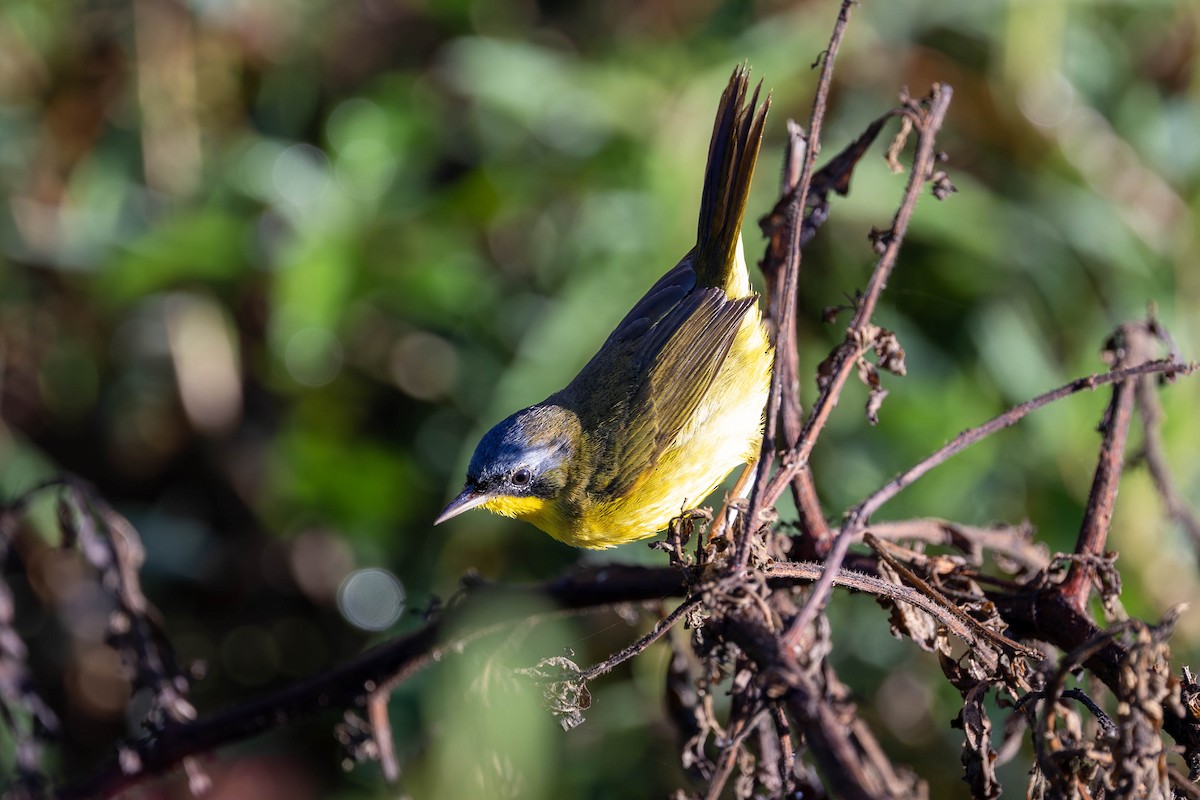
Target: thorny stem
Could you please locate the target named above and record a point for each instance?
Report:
(928, 124)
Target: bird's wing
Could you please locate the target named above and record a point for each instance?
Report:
(603, 389)
(674, 363)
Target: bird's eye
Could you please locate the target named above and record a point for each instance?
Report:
(521, 477)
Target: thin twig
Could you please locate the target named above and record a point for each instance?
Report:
(791, 281)
(851, 349)
(1180, 784)
(740, 729)
(858, 516)
(1151, 413)
(1014, 543)
(377, 670)
(641, 644)
(777, 262)
(1053, 689)
(1106, 723)
(831, 740)
(928, 122)
(787, 747)
(864, 510)
(381, 730)
(926, 589)
(932, 603)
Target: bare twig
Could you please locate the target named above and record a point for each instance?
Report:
(931, 602)
(740, 728)
(1183, 788)
(377, 670)
(1012, 544)
(864, 510)
(779, 226)
(24, 712)
(845, 751)
(1151, 413)
(1106, 723)
(780, 373)
(929, 122)
(940, 600)
(1131, 346)
(775, 264)
(381, 730)
(626, 653)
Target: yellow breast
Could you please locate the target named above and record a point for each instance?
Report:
(545, 514)
(723, 433)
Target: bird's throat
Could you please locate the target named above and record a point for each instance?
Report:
(525, 508)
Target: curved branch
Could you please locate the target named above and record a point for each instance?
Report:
(388, 664)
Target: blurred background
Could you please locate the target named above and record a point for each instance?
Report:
(269, 268)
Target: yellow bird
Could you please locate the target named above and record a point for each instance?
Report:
(674, 399)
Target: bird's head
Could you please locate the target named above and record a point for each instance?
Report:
(521, 465)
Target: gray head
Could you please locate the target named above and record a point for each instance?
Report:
(526, 455)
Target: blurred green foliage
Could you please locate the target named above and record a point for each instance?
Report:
(270, 268)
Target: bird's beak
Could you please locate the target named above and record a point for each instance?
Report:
(470, 498)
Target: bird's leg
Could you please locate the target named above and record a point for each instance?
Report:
(727, 514)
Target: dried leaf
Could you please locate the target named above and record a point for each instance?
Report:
(874, 402)
(910, 622)
(1145, 681)
(978, 757)
(564, 691)
(889, 353)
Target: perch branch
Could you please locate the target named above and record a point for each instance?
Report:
(353, 683)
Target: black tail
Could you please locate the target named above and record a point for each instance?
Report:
(737, 134)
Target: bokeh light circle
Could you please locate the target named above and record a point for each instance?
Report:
(371, 599)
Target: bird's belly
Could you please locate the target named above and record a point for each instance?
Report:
(725, 431)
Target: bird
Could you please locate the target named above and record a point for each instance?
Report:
(671, 403)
